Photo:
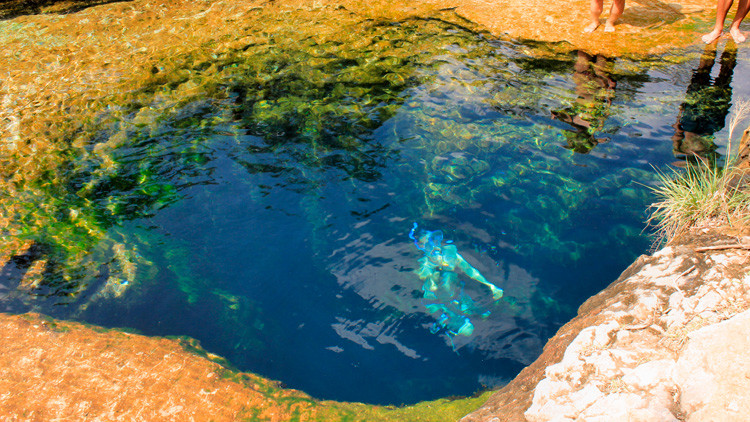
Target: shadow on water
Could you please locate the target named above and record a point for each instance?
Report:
(706, 106)
(652, 14)
(595, 90)
(260, 201)
(13, 273)
(10, 9)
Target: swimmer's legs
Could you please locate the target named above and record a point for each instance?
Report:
(722, 8)
(459, 325)
(434, 308)
(618, 6)
(742, 8)
(466, 329)
(454, 324)
(467, 306)
(596, 10)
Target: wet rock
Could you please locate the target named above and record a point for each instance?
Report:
(56, 369)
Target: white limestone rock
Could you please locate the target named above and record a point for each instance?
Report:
(625, 407)
(709, 302)
(605, 366)
(650, 374)
(713, 372)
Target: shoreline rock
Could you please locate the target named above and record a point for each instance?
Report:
(662, 343)
(55, 369)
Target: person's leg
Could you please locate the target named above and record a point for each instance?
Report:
(596, 10)
(722, 8)
(734, 30)
(618, 6)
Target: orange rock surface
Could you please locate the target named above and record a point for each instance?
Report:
(53, 369)
(58, 370)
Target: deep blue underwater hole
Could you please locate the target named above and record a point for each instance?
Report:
(269, 215)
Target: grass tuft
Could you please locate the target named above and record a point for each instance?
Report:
(703, 194)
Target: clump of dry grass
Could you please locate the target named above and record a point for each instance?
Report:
(704, 194)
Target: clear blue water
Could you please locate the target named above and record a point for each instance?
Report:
(268, 216)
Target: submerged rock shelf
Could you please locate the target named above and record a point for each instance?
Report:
(59, 369)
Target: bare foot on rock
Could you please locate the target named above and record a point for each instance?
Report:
(590, 27)
(737, 36)
(608, 27)
(711, 36)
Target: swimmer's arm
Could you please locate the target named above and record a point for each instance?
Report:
(472, 272)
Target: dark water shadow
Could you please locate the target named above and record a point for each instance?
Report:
(12, 274)
(13, 270)
(652, 14)
(595, 89)
(10, 9)
(707, 103)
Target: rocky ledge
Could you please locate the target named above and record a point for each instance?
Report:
(60, 370)
(667, 341)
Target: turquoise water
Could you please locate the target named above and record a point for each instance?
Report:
(261, 203)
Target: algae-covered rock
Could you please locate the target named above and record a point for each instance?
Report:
(83, 370)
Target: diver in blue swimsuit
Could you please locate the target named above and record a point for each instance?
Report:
(443, 290)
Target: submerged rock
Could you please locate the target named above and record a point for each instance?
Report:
(53, 369)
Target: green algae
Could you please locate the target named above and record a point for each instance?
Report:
(432, 411)
(312, 102)
(289, 105)
(308, 408)
(93, 183)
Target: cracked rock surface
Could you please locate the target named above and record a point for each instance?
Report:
(666, 342)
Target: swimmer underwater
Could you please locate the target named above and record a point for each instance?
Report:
(443, 289)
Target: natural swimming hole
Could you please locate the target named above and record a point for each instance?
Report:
(261, 201)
